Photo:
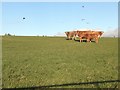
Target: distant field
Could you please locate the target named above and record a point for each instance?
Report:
(39, 61)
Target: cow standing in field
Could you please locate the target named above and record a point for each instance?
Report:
(89, 35)
(99, 33)
(83, 35)
(71, 35)
(96, 35)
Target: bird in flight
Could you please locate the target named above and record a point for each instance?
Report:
(87, 23)
(83, 19)
(82, 6)
(23, 17)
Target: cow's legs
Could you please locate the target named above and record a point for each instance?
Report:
(69, 37)
(96, 40)
(80, 39)
(73, 38)
(88, 40)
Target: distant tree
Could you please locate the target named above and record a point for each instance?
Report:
(8, 34)
(5, 34)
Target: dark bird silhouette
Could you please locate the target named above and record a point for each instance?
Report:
(23, 17)
(87, 23)
(82, 6)
(82, 19)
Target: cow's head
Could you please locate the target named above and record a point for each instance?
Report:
(100, 33)
(67, 33)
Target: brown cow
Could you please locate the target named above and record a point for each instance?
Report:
(89, 35)
(71, 35)
(83, 34)
(98, 32)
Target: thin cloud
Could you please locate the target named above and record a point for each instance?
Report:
(61, 34)
(111, 33)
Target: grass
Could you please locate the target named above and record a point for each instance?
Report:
(37, 61)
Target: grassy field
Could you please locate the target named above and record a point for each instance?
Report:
(39, 61)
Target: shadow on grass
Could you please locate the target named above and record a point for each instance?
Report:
(84, 41)
(68, 84)
(76, 40)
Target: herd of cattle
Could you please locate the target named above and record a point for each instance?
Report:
(84, 35)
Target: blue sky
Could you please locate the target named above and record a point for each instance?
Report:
(50, 18)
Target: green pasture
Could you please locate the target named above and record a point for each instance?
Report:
(39, 61)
